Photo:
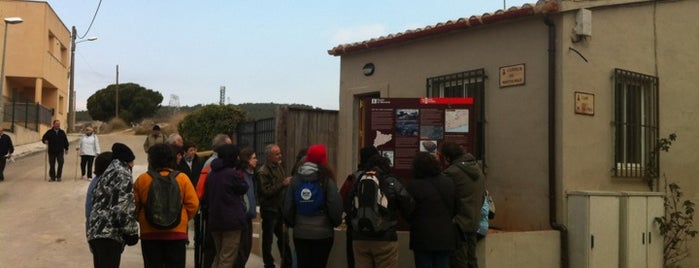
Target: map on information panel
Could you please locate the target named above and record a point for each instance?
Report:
(382, 138)
(456, 120)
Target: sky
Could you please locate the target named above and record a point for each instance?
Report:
(261, 51)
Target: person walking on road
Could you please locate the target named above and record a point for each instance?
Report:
(154, 138)
(57, 142)
(89, 147)
(6, 150)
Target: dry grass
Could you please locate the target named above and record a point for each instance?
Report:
(113, 125)
(167, 128)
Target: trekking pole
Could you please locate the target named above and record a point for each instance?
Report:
(77, 162)
(46, 160)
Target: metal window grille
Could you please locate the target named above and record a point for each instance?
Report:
(635, 125)
(256, 134)
(464, 84)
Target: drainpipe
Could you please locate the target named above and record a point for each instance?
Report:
(552, 142)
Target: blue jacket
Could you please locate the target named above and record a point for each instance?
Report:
(225, 187)
(250, 199)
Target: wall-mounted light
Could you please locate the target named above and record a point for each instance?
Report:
(368, 69)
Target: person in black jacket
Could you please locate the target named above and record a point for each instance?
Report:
(6, 150)
(433, 236)
(57, 141)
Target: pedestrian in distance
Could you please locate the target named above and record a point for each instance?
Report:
(154, 138)
(112, 220)
(164, 246)
(433, 236)
(57, 142)
(248, 163)
(378, 199)
(226, 219)
(88, 148)
(469, 183)
(273, 181)
(313, 207)
(6, 150)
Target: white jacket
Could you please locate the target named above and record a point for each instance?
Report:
(89, 145)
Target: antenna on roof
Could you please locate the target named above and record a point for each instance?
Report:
(504, 4)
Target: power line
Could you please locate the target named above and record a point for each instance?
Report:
(93, 20)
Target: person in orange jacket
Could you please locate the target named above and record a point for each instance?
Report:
(164, 248)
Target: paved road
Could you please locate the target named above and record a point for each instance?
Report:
(42, 224)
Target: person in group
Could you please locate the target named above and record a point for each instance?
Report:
(364, 154)
(164, 248)
(248, 163)
(175, 139)
(154, 138)
(57, 142)
(6, 150)
(102, 161)
(433, 236)
(298, 161)
(191, 164)
(313, 225)
(469, 183)
(272, 182)
(204, 249)
(88, 147)
(112, 220)
(379, 249)
(225, 187)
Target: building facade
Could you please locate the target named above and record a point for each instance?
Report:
(36, 68)
(593, 85)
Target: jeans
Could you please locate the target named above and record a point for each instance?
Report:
(431, 259)
(273, 225)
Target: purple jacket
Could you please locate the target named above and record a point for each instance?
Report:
(225, 187)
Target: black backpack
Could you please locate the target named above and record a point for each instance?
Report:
(164, 203)
(370, 205)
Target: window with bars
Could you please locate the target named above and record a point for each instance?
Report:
(464, 84)
(635, 124)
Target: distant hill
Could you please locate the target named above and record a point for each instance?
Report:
(255, 111)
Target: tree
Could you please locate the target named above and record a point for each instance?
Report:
(204, 123)
(135, 103)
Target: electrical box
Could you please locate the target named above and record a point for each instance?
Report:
(593, 229)
(583, 22)
(641, 244)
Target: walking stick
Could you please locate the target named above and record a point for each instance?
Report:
(77, 158)
(46, 160)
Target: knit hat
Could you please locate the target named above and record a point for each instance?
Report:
(317, 154)
(122, 152)
(156, 127)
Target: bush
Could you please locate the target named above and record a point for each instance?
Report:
(203, 124)
(676, 226)
(113, 125)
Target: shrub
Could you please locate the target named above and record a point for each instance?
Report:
(204, 123)
(676, 226)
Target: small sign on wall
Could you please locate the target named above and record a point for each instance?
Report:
(584, 103)
(512, 75)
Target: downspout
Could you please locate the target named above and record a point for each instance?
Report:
(552, 141)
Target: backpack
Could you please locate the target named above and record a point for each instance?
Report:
(309, 198)
(164, 204)
(370, 204)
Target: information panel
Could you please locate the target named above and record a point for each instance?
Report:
(401, 127)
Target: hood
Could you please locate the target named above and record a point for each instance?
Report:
(468, 164)
(308, 171)
(217, 164)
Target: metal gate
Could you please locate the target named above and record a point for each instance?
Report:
(256, 134)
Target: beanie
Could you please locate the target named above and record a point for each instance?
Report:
(317, 154)
(122, 152)
(156, 127)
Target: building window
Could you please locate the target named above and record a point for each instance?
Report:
(464, 84)
(635, 124)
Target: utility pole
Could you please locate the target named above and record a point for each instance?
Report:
(71, 99)
(117, 92)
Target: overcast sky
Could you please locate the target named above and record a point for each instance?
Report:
(261, 51)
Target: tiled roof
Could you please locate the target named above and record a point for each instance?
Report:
(541, 7)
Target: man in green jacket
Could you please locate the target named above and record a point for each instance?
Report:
(469, 181)
(272, 180)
